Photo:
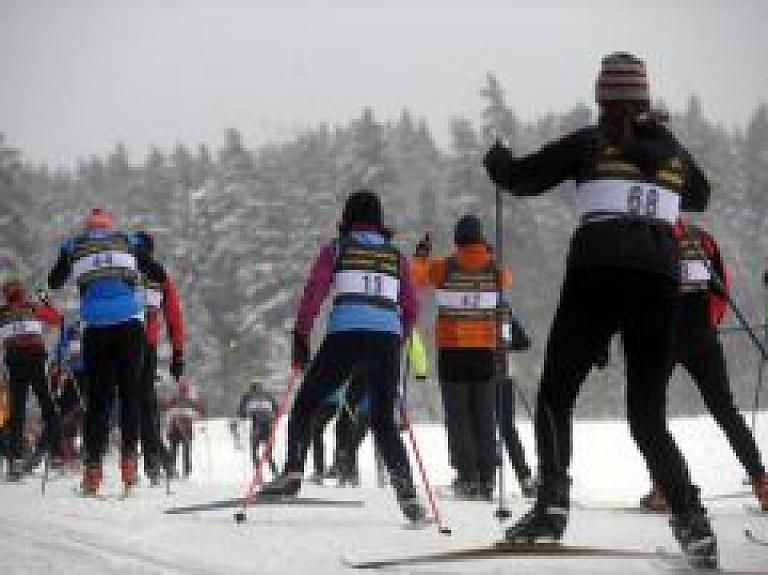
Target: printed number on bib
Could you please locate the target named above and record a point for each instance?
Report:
(372, 284)
(643, 201)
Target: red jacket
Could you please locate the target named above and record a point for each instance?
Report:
(174, 323)
(182, 410)
(717, 300)
(15, 311)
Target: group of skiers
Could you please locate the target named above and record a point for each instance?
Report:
(105, 362)
(635, 268)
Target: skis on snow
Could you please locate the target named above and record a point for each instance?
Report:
(508, 549)
(263, 500)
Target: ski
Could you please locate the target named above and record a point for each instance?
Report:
(755, 509)
(617, 508)
(752, 538)
(504, 549)
(731, 495)
(263, 500)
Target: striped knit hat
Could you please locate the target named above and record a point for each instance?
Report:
(622, 78)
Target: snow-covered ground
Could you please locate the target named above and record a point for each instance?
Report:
(61, 533)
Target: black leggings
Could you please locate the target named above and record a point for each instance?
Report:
(26, 369)
(113, 361)
(595, 304)
(702, 356)
(375, 358)
(152, 446)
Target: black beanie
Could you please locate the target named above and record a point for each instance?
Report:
(468, 230)
(361, 207)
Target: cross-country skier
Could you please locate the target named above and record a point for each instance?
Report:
(374, 308)
(160, 298)
(467, 285)
(181, 412)
(260, 407)
(22, 331)
(704, 284)
(631, 180)
(69, 387)
(107, 265)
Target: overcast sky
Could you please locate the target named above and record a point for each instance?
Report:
(78, 76)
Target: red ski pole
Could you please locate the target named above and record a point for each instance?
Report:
(430, 495)
(258, 473)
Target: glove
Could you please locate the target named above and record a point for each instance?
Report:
(300, 350)
(495, 158)
(424, 247)
(177, 365)
(602, 357)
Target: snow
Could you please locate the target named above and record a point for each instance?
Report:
(59, 533)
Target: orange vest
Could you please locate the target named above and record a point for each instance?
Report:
(467, 295)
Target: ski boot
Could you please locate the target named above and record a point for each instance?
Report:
(547, 520)
(15, 470)
(316, 478)
(129, 474)
(694, 533)
(287, 484)
(654, 501)
(411, 507)
(760, 488)
(542, 523)
(92, 478)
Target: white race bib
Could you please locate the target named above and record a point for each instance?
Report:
(104, 260)
(358, 282)
(467, 299)
(24, 327)
(611, 197)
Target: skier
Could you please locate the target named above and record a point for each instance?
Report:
(69, 387)
(5, 417)
(160, 297)
(467, 290)
(22, 334)
(107, 266)
(181, 411)
(260, 407)
(374, 308)
(631, 179)
(704, 284)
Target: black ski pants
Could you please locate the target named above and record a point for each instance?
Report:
(506, 419)
(375, 358)
(467, 385)
(351, 428)
(260, 431)
(596, 303)
(26, 369)
(152, 447)
(700, 352)
(180, 441)
(320, 420)
(114, 357)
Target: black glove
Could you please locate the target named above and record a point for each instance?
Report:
(177, 365)
(602, 357)
(300, 350)
(494, 160)
(424, 247)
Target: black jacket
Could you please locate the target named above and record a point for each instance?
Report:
(638, 243)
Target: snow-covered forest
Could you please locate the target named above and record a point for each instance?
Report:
(238, 226)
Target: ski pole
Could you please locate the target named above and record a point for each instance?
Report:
(258, 473)
(441, 528)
